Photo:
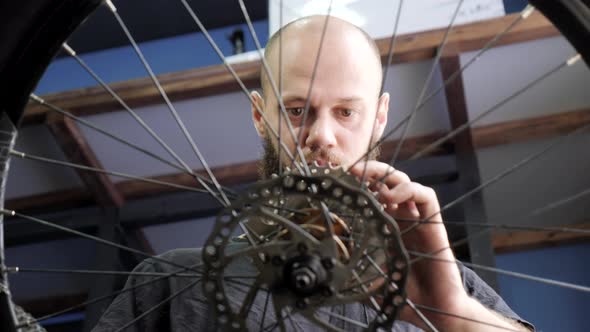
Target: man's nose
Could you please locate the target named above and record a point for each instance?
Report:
(321, 133)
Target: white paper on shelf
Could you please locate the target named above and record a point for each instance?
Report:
(377, 17)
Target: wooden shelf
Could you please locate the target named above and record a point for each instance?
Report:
(217, 80)
(514, 241)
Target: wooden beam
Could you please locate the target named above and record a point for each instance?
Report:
(467, 37)
(485, 136)
(59, 199)
(530, 128)
(227, 176)
(514, 241)
(216, 79)
(78, 151)
(472, 208)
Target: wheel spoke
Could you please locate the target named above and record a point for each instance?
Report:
(524, 14)
(344, 318)
(391, 46)
(313, 75)
(439, 53)
(249, 299)
(365, 290)
(276, 245)
(294, 324)
(93, 238)
(280, 118)
(423, 318)
(279, 316)
(490, 227)
(88, 124)
(383, 80)
(442, 312)
(329, 224)
(275, 90)
(171, 107)
(20, 269)
(560, 202)
(108, 296)
(502, 174)
(163, 302)
(133, 114)
(312, 317)
(569, 62)
(494, 41)
(237, 79)
(103, 171)
(519, 275)
(264, 310)
(567, 230)
(291, 226)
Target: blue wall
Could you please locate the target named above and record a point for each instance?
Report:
(548, 307)
(512, 6)
(164, 56)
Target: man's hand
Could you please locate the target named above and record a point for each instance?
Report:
(433, 283)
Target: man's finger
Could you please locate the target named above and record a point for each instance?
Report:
(422, 198)
(376, 170)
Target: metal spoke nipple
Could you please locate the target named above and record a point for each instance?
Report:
(574, 59)
(68, 49)
(11, 269)
(37, 98)
(110, 5)
(10, 212)
(528, 11)
(17, 153)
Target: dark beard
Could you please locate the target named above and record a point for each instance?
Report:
(270, 161)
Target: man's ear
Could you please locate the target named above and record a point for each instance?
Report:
(382, 111)
(257, 108)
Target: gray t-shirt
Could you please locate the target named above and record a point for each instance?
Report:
(189, 311)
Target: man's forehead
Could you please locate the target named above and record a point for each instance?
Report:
(310, 32)
(291, 97)
(347, 55)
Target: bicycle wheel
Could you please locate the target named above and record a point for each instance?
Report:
(42, 27)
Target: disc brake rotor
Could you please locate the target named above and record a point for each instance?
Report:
(313, 242)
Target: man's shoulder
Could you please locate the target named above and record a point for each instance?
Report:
(181, 257)
(172, 259)
(181, 254)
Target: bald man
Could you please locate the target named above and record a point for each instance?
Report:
(346, 113)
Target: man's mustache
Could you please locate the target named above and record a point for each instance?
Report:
(323, 156)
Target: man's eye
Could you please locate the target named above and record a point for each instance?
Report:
(296, 111)
(346, 112)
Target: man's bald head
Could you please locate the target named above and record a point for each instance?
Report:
(311, 26)
(346, 112)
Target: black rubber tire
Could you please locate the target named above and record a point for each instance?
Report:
(31, 33)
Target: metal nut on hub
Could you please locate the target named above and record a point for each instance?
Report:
(328, 262)
(328, 291)
(277, 260)
(302, 247)
(302, 303)
(304, 278)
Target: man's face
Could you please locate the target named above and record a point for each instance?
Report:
(345, 111)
